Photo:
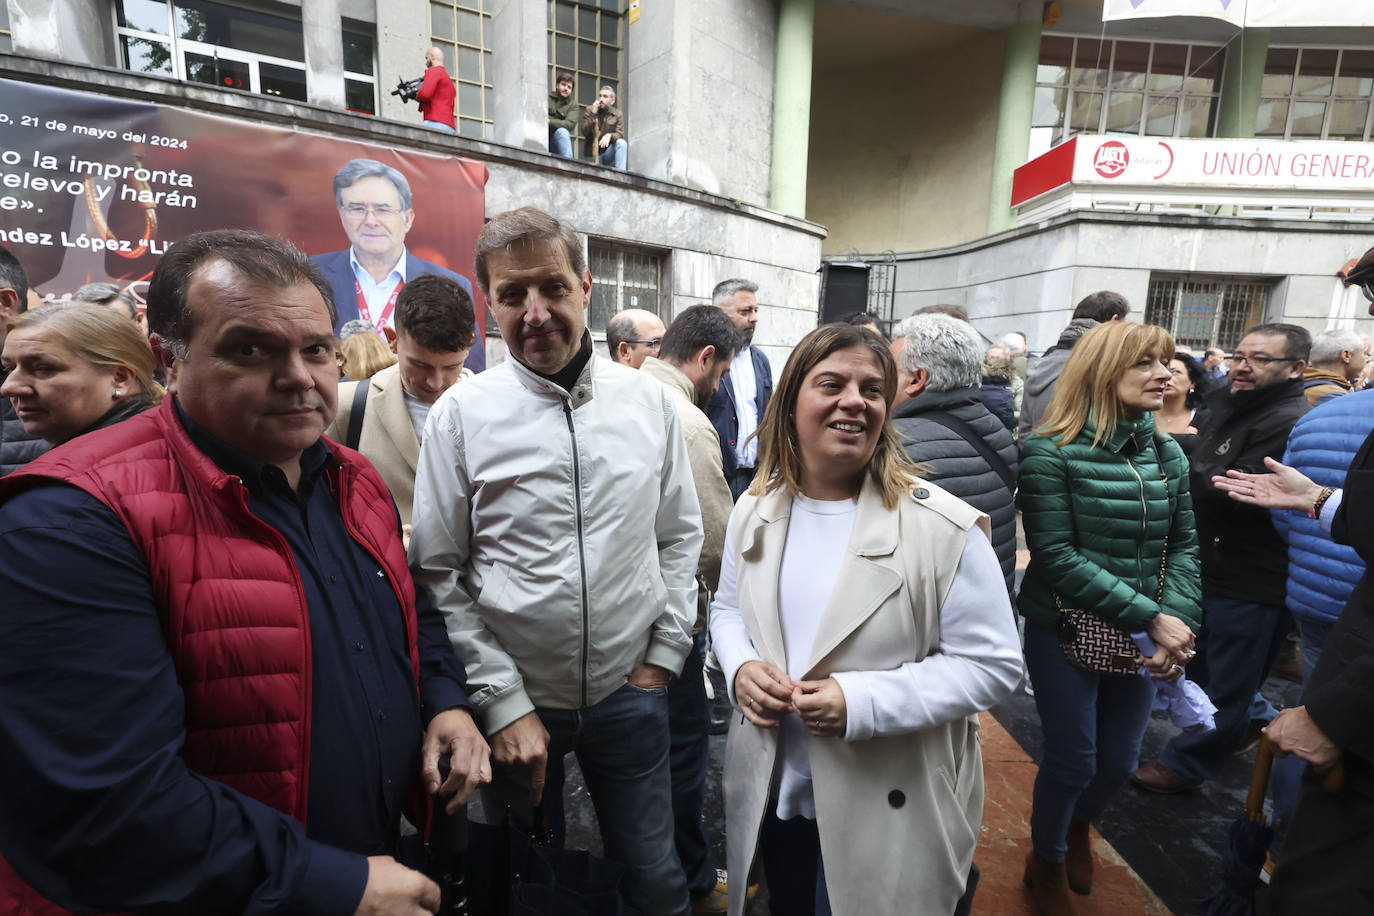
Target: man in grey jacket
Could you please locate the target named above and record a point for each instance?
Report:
(940, 416)
(1103, 305)
(556, 525)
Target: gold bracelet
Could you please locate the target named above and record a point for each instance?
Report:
(1316, 510)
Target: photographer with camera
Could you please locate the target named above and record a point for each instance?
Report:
(435, 94)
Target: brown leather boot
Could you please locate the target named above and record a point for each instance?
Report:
(1078, 863)
(1049, 889)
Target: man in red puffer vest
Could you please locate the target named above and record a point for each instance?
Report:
(218, 690)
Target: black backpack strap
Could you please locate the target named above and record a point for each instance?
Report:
(355, 415)
(970, 435)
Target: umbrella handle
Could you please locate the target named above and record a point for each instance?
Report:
(1334, 781)
(1259, 779)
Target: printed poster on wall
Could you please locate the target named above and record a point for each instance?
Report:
(94, 188)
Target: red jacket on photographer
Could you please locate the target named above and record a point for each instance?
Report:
(436, 93)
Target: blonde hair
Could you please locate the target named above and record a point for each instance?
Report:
(780, 461)
(99, 335)
(364, 355)
(1087, 385)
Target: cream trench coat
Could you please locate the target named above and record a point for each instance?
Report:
(898, 816)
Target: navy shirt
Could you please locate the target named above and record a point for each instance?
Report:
(99, 808)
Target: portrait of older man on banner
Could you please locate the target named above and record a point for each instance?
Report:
(374, 203)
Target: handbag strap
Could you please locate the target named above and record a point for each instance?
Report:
(355, 416)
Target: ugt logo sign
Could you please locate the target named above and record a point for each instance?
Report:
(1111, 159)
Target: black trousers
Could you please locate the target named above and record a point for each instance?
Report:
(1325, 866)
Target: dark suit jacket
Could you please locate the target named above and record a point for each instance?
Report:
(1340, 695)
(725, 416)
(339, 273)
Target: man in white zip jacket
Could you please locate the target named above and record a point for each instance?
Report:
(556, 525)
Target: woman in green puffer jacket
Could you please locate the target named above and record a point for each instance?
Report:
(1109, 523)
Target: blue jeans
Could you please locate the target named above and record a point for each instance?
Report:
(1238, 644)
(1285, 783)
(689, 730)
(1092, 724)
(560, 142)
(621, 745)
(438, 125)
(614, 154)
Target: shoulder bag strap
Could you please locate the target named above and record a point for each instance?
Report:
(355, 416)
(970, 435)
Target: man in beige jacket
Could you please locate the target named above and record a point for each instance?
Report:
(384, 416)
(695, 353)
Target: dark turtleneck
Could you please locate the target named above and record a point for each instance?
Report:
(566, 377)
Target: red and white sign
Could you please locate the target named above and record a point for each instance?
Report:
(1250, 14)
(1237, 165)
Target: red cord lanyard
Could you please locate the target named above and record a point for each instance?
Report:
(366, 314)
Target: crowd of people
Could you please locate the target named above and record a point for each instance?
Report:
(291, 562)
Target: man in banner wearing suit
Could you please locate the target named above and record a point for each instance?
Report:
(374, 207)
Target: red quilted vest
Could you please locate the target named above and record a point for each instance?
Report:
(230, 597)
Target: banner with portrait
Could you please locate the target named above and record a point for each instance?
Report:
(95, 188)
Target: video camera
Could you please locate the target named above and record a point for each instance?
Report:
(408, 89)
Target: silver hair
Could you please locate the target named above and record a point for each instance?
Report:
(725, 290)
(947, 348)
(355, 170)
(609, 89)
(104, 294)
(356, 326)
(1327, 346)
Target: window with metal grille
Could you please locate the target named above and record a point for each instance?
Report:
(585, 39)
(1203, 312)
(462, 29)
(623, 277)
(213, 43)
(1129, 88)
(1316, 93)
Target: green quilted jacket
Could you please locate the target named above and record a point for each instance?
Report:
(1096, 520)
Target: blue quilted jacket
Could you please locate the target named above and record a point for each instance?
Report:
(1322, 573)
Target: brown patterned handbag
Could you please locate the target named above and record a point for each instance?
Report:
(1091, 643)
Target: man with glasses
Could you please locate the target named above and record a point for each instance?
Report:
(633, 336)
(374, 207)
(1244, 560)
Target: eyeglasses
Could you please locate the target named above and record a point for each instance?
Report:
(360, 211)
(653, 344)
(1259, 361)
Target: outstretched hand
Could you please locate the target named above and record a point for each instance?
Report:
(1284, 488)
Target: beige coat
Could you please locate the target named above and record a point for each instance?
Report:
(387, 440)
(703, 450)
(898, 816)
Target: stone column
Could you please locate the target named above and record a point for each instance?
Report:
(322, 28)
(1242, 72)
(792, 106)
(520, 77)
(1014, 112)
(403, 36)
(69, 30)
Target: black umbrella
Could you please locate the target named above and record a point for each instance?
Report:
(1246, 845)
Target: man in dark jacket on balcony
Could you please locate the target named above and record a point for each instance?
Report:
(945, 427)
(1244, 561)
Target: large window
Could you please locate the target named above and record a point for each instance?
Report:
(585, 39)
(1131, 88)
(460, 28)
(360, 72)
(213, 43)
(1203, 312)
(1316, 93)
(623, 277)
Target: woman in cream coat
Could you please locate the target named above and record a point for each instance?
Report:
(862, 622)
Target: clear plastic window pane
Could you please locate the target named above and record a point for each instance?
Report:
(470, 100)
(1195, 115)
(1316, 72)
(471, 127)
(1167, 67)
(565, 51)
(1307, 119)
(470, 64)
(610, 62)
(357, 50)
(1090, 63)
(1129, 65)
(1048, 110)
(1271, 120)
(360, 96)
(469, 28)
(1123, 112)
(1204, 70)
(565, 18)
(610, 28)
(228, 74)
(1348, 120)
(586, 55)
(1161, 116)
(283, 82)
(441, 21)
(1357, 74)
(1279, 68)
(143, 15)
(241, 29)
(586, 22)
(145, 56)
(1056, 55)
(1086, 116)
